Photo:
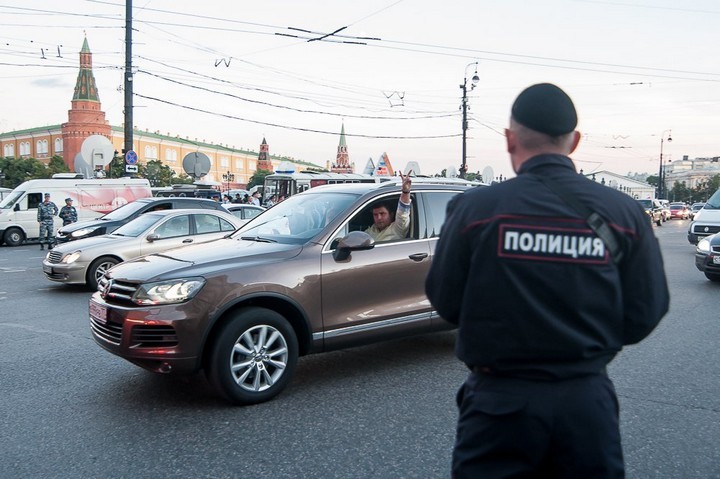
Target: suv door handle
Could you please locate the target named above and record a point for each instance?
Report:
(418, 256)
(189, 240)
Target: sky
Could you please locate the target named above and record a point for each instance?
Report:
(641, 72)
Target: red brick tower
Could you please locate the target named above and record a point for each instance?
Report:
(263, 161)
(84, 117)
(342, 160)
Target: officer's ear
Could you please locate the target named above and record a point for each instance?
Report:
(575, 141)
(510, 140)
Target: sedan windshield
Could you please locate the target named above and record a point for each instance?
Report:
(138, 226)
(296, 219)
(123, 212)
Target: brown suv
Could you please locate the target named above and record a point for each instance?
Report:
(300, 278)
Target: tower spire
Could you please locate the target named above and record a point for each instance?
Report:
(342, 159)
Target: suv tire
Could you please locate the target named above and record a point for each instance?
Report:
(253, 356)
(715, 277)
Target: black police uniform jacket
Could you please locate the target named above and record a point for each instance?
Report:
(533, 290)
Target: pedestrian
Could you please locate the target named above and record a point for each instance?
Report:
(68, 213)
(46, 213)
(544, 299)
(255, 199)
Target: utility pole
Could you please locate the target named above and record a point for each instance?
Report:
(475, 79)
(128, 85)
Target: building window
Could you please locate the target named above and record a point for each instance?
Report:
(9, 151)
(41, 147)
(224, 162)
(151, 153)
(24, 148)
(58, 145)
(171, 155)
(239, 165)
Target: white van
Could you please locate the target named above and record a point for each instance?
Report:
(706, 221)
(91, 198)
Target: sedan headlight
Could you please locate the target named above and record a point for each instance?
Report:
(703, 246)
(82, 232)
(70, 258)
(168, 292)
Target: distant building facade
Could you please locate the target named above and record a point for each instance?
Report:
(636, 189)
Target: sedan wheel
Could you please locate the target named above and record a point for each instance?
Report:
(97, 269)
(253, 356)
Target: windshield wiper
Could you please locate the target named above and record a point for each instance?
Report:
(258, 239)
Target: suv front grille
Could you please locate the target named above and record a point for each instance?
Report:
(153, 337)
(110, 332)
(117, 292)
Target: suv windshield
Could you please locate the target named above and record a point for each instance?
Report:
(296, 219)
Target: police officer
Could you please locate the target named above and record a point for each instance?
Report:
(543, 303)
(68, 213)
(46, 213)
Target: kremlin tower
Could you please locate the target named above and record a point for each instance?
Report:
(263, 161)
(342, 160)
(85, 117)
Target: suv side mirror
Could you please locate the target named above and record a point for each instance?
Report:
(354, 241)
(152, 237)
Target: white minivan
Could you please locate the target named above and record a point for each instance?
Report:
(91, 198)
(706, 221)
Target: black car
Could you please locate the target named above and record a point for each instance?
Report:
(707, 256)
(116, 218)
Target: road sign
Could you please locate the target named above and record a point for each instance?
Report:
(131, 168)
(131, 157)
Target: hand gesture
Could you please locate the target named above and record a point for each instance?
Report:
(406, 182)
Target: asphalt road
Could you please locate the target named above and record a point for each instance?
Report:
(68, 409)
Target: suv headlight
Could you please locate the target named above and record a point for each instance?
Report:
(168, 292)
(703, 246)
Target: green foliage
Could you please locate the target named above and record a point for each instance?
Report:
(182, 179)
(57, 165)
(19, 170)
(158, 174)
(258, 178)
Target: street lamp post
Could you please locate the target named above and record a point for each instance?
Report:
(228, 178)
(661, 173)
(475, 79)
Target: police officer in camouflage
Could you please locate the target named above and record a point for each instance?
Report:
(47, 211)
(68, 213)
(544, 297)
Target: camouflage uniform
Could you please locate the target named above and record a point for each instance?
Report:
(68, 214)
(45, 216)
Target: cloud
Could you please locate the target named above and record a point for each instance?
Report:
(51, 83)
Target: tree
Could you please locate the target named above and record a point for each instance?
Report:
(258, 178)
(158, 174)
(680, 192)
(19, 170)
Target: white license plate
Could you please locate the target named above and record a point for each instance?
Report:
(98, 312)
(47, 269)
(716, 259)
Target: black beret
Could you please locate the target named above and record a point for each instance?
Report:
(545, 108)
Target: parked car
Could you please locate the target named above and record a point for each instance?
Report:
(244, 212)
(680, 212)
(707, 256)
(695, 208)
(653, 209)
(115, 219)
(85, 260)
(301, 278)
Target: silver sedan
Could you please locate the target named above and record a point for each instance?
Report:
(84, 261)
